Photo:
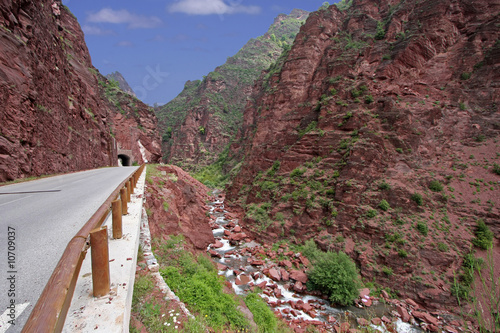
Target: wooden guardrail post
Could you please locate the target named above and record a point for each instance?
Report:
(129, 190)
(100, 261)
(124, 197)
(117, 219)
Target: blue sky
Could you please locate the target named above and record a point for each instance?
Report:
(160, 44)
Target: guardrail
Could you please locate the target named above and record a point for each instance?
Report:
(49, 313)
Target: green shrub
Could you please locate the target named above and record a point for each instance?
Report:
(380, 33)
(465, 76)
(480, 138)
(484, 236)
(402, 253)
(384, 186)
(399, 150)
(371, 213)
(435, 186)
(262, 314)
(423, 228)
(330, 192)
(274, 168)
(387, 270)
(268, 185)
(442, 247)
(369, 99)
(417, 198)
(496, 168)
(335, 275)
(297, 172)
(384, 205)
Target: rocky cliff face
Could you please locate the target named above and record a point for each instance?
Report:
(377, 135)
(176, 204)
(123, 84)
(134, 125)
(54, 116)
(199, 123)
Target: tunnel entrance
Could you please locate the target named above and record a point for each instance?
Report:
(124, 160)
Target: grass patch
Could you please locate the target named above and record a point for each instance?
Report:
(196, 283)
(262, 314)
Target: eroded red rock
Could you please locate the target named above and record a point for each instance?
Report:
(298, 276)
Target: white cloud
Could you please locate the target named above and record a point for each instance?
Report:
(209, 7)
(93, 30)
(134, 21)
(125, 43)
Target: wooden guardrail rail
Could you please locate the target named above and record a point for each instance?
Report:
(50, 311)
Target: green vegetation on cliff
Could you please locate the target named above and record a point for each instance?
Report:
(216, 103)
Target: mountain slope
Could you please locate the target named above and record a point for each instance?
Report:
(55, 116)
(367, 137)
(123, 84)
(199, 123)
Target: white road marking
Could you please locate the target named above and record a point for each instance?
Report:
(9, 202)
(5, 318)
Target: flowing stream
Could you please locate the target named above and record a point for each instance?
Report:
(297, 307)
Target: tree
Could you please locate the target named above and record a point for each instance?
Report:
(334, 274)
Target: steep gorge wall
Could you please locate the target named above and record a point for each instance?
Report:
(387, 94)
(54, 116)
(202, 120)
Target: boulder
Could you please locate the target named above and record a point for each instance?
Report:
(298, 276)
(274, 274)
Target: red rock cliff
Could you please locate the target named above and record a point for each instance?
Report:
(369, 107)
(54, 117)
(176, 204)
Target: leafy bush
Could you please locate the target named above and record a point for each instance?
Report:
(274, 168)
(334, 274)
(384, 186)
(371, 213)
(435, 186)
(297, 172)
(465, 76)
(402, 253)
(387, 270)
(496, 168)
(442, 247)
(380, 33)
(423, 228)
(262, 314)
(369, 99)
(484, 236)
(384, 205)
(417, 197)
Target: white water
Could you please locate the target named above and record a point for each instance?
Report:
(239, 262)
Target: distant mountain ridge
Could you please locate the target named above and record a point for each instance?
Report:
(122, 83)
(199, 123)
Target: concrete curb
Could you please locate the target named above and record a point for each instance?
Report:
(110, 313)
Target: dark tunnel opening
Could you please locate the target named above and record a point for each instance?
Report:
(125, 160)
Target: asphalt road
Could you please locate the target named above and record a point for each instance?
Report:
(37, 220)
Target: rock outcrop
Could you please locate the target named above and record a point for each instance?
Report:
(123, 84)
(367, 134)
(55, 116)
(176, 204)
